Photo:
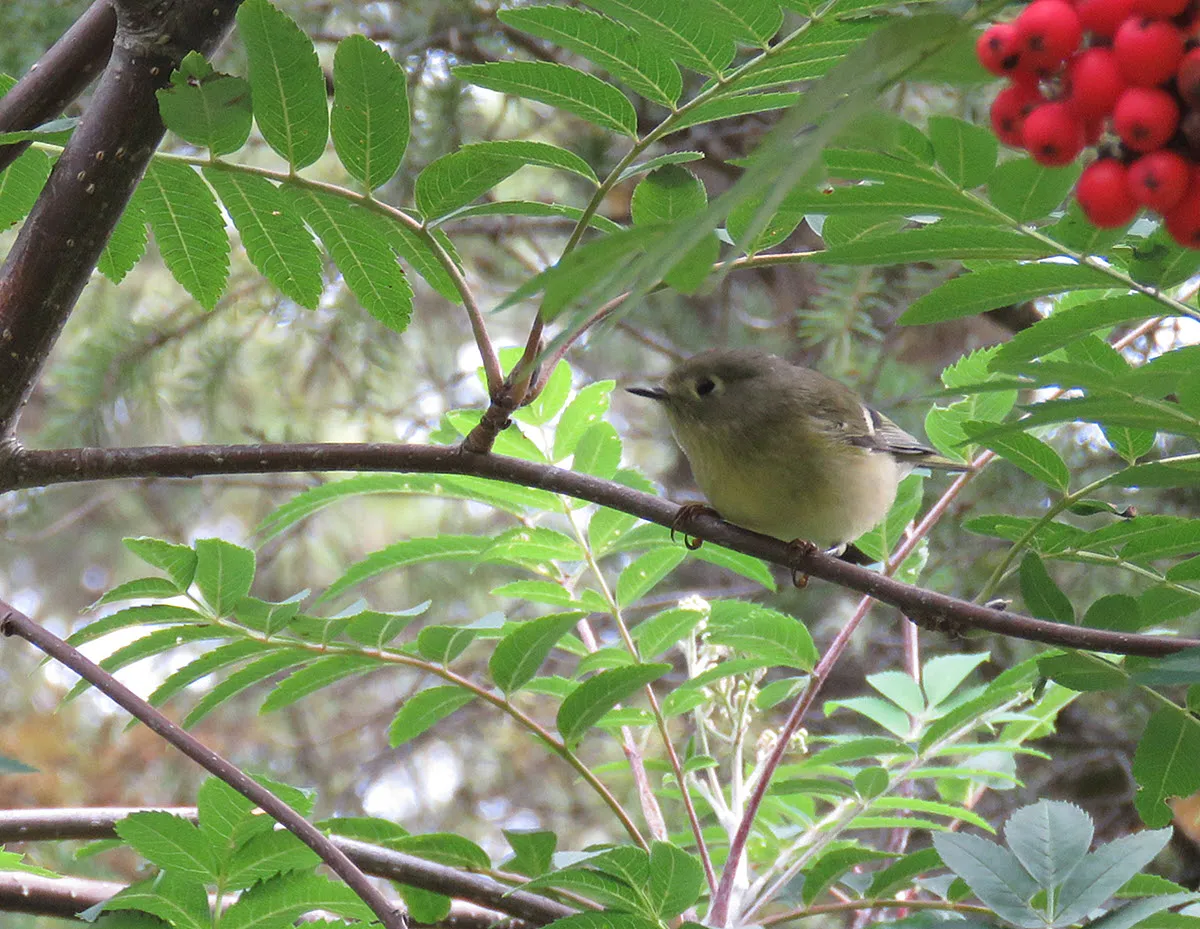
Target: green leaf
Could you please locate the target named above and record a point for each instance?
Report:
(287, 83)
(359, 242)
(520, 654)
(177, 561)
(206, 664)
(376, 629)
(661, 631)
(20, 184)
(206, 107)
(1161, 262)
(144, 587)
(993, 873)
(1065, 325)
(281, 900)
(966, 152)
(559, 86)
(645, 572)
(311, 678)
(171, 843)
(423, 710)
(621, 52)
(531, 208)
(745, 565)
(370, 110)
(1031, 455)
(675, 30)
(834, 864)
(455, 851)
(598, 451)
(584, 706)
(425, 906)
(456, 179)
(511, 498)
(762, 633)
(1050, 838)
(1028, 191)
(410, 551)
(224, 573)
(549, 403)
(127, 243)
(533, 851)
(1084, 673)
(653, 164)
(253, 673)
(267, 855)
(676, 880)
(188, 228)
(667, 194)
(418, 250)
(824, 44)
(1164, 764)
(274, 237)
(157, 642)
(937, 242)
(990, 288)
(445, 643)
(1043, 598)
(181, 901)
(1105, 871)
(753, 22)
(588, 407)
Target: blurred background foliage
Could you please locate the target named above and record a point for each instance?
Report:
(143, 364)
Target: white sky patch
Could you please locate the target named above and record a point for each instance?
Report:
(428, 780)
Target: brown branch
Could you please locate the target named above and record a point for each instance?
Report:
(59, 76)
(14, 622)
(61, 240)
(66, 897)
(24, 468)
(100, 823)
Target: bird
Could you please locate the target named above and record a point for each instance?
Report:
(785, 451)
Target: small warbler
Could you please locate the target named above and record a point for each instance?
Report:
(784, 450)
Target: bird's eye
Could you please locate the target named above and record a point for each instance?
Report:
(705, 386)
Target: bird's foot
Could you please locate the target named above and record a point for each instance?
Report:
(800, 548)
(685, 515)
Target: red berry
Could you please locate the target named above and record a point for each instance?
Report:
(997, 49)
(1102, 18)
(1159, 179)
(1148, 51)
(1053, 134)
(1009, 110)
(1103, 194)
(1183, 222)
(1048, 32)
(1160, 9)
(1187, 78)
(1093, 131)
(1095, 83)
(1145, 118)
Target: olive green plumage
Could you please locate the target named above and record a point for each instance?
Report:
(785, 450)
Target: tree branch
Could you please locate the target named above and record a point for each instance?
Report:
(61, 240)
(100, 823)
(59, 76)
(24, 468)
(14, 622)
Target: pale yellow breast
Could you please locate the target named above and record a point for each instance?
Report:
(827, 507)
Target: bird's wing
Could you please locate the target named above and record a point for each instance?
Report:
(883, 435)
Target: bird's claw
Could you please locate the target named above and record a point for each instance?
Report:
(800, 548)
(685, 515)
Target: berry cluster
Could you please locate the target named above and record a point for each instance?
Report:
(1121, 75)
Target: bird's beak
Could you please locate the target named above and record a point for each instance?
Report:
(654, 393)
